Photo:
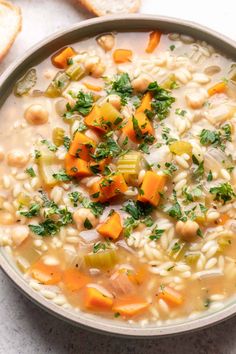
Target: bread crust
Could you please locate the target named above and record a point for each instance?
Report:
(98, 12)
(18, 28)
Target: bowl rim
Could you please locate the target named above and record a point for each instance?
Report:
(96, 25)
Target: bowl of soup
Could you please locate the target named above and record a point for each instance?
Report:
(118, 179)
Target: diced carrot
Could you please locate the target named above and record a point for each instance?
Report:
(130, 306)
(138, 277)
(223, 219)
(95, 300)
(46, 274)
(108, 187)
(122, 55)
(111, 227)
(60, 59)
(100, 165)
(144, 126)
(82, 146)
(153, 184)
(94, 120)
(92, 87)
(145, 103)
(76, 167)
(74, 280)
(154, 40)
(171, 296)
(220, 87)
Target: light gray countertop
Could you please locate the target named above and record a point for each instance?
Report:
(26, 329)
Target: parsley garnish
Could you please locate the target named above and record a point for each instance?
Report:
(61, 176)
(161, 102)
(224, 192)
(50, 146)
(175, 247)
(122, 87)
(87, 224)
(33, 211)
(83, 105)
(30, 172)
(156, 234)
(209, 176)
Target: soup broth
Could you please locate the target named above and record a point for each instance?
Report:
(118, 177)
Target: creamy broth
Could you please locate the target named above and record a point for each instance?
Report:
(118, 190)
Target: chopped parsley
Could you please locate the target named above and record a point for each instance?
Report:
(50, 146)
(180, 112)
(172, 47)
(107, 148)
(161, 102)
(46, 228)
(83, 105)
(156, 234)
(101, 246)
(66, 142)
(30, 172)
(170, 169)
(209, 176)
(122, 87)
(33, 211)
(87, 224)
(176, 247)
(37, 154)
(217, 138)
(61, 176)
(199, 171)
(224, 192)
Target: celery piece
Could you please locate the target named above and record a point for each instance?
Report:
(178, 253)
(223, 243)
(130, 163)
(26, 83)
(168, 82)
(110, 114)
(191, 258)
(105, 259)
(75, 71)
(58, 135)
(58, 85)
(181, 147)
(48, 165)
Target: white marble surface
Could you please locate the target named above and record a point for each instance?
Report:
(26, 329)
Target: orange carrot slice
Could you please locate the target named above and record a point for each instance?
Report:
(144, 126)
(154, 40)
(122, 56)
(130, 306)
(60, 59)
(108, 187)
(76, 167)
(92, 87)
(145, 103)
(171, 296)
(82, 146)
(46, 274)
(111, 227)
(220, 87)
(153, 184)
(74, 280)
(96, 301)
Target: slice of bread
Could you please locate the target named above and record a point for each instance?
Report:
(10, 26)
(108, 7)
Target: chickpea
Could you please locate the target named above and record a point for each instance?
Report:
(36, 114)
(19, 234)
(17, 158)
(140, 84)
(6, 218)
(94, 66)
(81, 215)
(114, 100)
(107, 42)
(1, 154)
(90, 62)
(98, 70)
(187, 230)
(196, 99)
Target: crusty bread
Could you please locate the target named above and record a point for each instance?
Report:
(108, 7)
(10, 26)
